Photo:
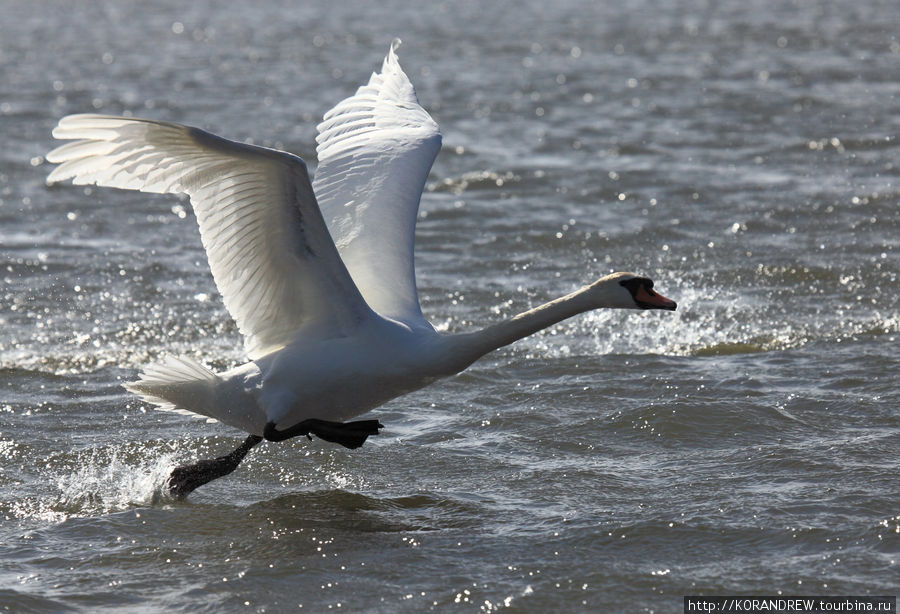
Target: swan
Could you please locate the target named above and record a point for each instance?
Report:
(319, 276)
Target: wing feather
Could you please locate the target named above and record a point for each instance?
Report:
(375, 151)
(270, 252)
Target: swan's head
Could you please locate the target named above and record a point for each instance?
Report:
(628, 291)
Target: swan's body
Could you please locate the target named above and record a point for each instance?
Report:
(328, 378)
(318, 276)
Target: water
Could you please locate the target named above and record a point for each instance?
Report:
(743, 154)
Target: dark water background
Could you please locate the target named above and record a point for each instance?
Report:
(743, 154)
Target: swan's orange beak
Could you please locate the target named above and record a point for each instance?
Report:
(648, 299)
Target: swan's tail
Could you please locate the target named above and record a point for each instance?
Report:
(179, 385)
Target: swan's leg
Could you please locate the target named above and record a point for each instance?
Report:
(186, 478)
(348, 434)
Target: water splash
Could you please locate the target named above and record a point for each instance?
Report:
(95, 482)
(710, 321)
(104, 483)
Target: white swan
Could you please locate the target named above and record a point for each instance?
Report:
(319, 277)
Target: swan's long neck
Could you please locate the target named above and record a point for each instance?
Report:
(469, 347)
(618, 291)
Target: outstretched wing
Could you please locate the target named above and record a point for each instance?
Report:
(270, 252)
(375, 150)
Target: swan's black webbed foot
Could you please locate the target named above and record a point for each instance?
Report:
(187, 478)
(349, 434)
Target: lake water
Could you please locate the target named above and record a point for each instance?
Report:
(743, 154)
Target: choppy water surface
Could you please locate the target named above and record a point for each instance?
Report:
(743, 154)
